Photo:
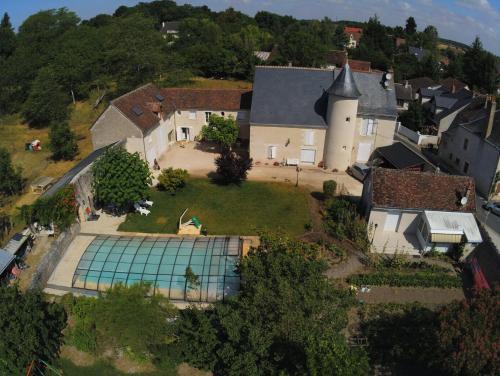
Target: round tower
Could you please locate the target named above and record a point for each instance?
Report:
(341, 119)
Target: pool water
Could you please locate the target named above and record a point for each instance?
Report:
(109, 260)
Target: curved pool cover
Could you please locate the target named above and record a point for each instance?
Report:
(161, 261)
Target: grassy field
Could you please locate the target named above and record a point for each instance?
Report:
(206, 83)
(103, 368)
(227, 210)
(14, 134)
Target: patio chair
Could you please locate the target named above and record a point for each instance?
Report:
(141, 210)
(146, 203)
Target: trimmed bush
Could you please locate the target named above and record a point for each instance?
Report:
(171, 180)
(329, 188)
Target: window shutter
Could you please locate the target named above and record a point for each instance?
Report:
(309, 138)
(271, 152)
(364, 127)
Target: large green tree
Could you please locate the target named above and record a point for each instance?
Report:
(480, 68)
(11, 181)
(30, 329)
(120, 178)
(303, 47)
(221, 130)
(287, 310)
(62, 141)
(411, 26)
(46, 103)
(7, 37)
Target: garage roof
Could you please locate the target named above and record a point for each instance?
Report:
(454, 223)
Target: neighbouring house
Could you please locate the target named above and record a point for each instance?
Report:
(453, 85)
(399, 42)
(418, 52)
(416, 212)
(404, 95)
(149, 119)
(401, 157)
(337, 59)
(320, 117)
(263, 56)
(444, 108)
(354, 35)
(471, 145)
(419, 83)
(170, 29)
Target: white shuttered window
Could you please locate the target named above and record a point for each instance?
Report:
(369, 127)
(271, 152)
(309, 138)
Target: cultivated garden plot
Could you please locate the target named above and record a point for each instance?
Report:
(226, 210)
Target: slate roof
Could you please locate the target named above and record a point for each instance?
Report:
(68, 177)
(405, 189)
(344, 84)
(478, 127)
(291, 96)
(150, 101)
(418, 52)
(420, 82)
(403, 92)
(170, 26)
(400, 156)
(6, 260)
(463, 99)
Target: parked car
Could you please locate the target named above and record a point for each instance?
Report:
(493, 207)
(358, 171)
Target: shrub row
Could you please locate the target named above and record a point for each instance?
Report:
(398, 279)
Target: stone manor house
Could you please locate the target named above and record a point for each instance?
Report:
(294, 116)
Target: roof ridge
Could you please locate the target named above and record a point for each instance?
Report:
(293, 67)
(204, 89)
(133, 91)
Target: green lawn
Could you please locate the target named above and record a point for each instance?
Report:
(227, 210)
(103, 368)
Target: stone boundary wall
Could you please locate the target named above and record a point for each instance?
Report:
(50, 260)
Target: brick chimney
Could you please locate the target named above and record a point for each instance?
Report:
(491, 117)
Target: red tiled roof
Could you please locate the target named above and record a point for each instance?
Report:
(403, 189)
(360, 65)
(150, 106)
(353, 30)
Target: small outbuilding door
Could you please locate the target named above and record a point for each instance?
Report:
(307, 156)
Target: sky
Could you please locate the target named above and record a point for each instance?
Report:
(460, 20)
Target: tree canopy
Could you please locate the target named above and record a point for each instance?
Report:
(224, 131)
(12, 181)
(286, 312)
(120, 179)
(30, 328)
(62, 141)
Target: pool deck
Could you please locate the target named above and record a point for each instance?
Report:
(64, 271)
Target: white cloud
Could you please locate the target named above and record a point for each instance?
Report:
(476, 4)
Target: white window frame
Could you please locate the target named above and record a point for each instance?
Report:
(272, 152)
(192, 115)
(309, 138)
(207, 116)
(369, 127)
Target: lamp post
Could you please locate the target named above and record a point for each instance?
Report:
(298, 169)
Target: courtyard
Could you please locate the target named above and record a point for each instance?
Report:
(226, 210)
(198, 159)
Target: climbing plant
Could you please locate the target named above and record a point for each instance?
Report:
(58, 209)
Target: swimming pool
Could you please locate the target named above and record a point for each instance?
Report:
(109, 260)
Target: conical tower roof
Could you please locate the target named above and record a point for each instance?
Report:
(345, 85)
